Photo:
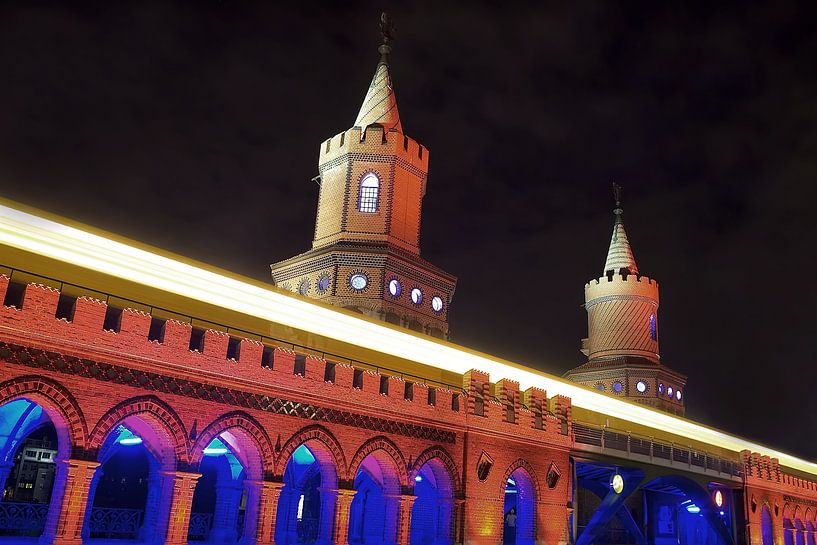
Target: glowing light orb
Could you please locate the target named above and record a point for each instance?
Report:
(617, 483)
(718, 498)
(131, 441)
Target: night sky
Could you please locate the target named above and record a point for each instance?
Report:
(195, 126)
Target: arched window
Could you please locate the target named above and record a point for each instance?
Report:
(369, 193)
(653, 328)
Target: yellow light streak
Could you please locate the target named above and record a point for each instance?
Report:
(61, 242)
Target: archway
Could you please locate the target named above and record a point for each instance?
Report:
(519, 509)
(130, 494)
(306, 506)
(34, 440)
(766, 526)
(432, 512)
(800, 532)
(375, 508)
(219, 501)
(788, 532)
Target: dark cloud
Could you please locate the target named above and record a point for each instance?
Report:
(195, 127)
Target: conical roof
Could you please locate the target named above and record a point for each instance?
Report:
(380, 104)
(620, 254)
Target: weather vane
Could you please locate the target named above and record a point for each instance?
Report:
(386, 28)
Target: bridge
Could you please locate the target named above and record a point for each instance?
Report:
(226, 411)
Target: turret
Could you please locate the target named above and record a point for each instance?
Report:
(622, 323)
(365, 254)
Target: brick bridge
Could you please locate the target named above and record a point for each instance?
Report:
(297, 448)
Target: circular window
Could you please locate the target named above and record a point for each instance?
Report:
(600, 387)
(416, 296)
(287, 286)
(395, 289)
(641, 386)
(358, 281)
(437, 303)
(303, 287)
(669, 391)
(660, 387)
(323, 283)
(618, 387)
(678, 395)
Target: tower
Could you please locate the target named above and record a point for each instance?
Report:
(365, 255)
(622, 338)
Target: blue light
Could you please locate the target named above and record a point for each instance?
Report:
(215, 448)
(418, 479)
(694, 509)
(127, 438)
(302, 456)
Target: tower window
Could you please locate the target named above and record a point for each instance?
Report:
(416, 296)
(369, 193)
(653, 328)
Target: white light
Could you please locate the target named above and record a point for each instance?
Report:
(437, 303)
(511, 482)
(358, 281)
(61, 242)
(394, 287)
(418, 479)
(127, 441)
(416, 296)
(300, 514)
(641, 386)
(215, 451)
(694, 509)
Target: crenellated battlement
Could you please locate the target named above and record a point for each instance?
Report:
(374, 140)
(621, 285)
(89, 328)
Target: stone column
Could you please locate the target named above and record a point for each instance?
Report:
(181, 502)
(404, 522)
(151, 528)
(329, 499)
(343, 507)
(86, 526)
(267, 505)
(69, 500)
(225, 517)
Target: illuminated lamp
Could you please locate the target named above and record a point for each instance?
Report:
(215, 451)
(418, 479)
(719, 498)
(617, 483)
(694, 509)
(128, 441)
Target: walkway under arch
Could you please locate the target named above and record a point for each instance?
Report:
(433, 509)
(373, 518)
(519, 509)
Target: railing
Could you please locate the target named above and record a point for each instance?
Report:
(110, 522)
(199, 527)
(671, 453)
(22, 519)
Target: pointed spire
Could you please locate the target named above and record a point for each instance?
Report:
(380, 104)
(620, 254)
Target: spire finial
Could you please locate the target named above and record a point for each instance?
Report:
(387, 32)
(617, 196)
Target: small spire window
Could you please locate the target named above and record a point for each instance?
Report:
(653, 328)
(369, 193)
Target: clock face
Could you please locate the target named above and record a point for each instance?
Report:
(437, 303)
(416, 296)
(395, 289)
(358, 281)
(641, 386)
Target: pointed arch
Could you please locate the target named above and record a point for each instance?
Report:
(522, 463)
(374, 445)
(437, 452)
(261, 457)
(161, 415)
(313, 433)
(56, 401)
